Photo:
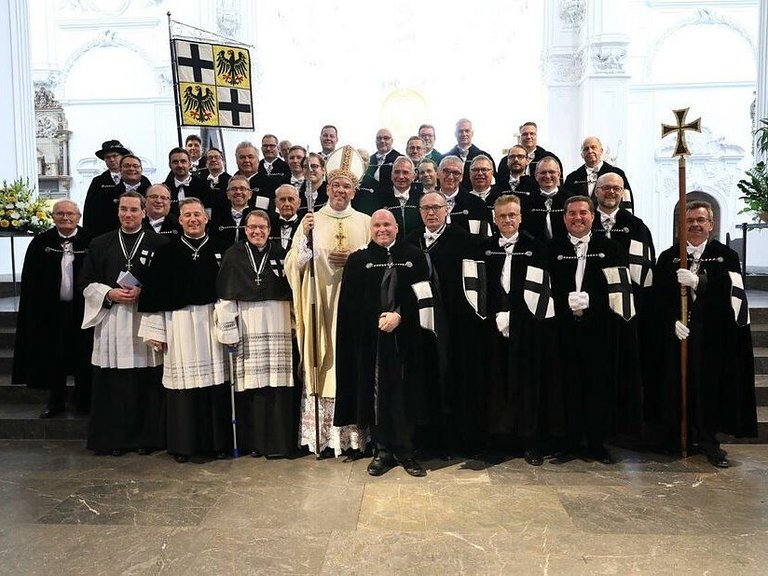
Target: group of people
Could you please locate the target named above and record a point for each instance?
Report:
(389, 303)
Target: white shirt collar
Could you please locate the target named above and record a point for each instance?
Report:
(585, 239)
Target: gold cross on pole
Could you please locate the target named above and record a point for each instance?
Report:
(682, 147)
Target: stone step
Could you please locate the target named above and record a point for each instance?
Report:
(761, 360)
(761, 389)
(758, 315)
(756, 282)
(8, 319)
(6, 360)
(12, 394)
(22, 421)
(7, 336)
(762, 430)
(760, 335)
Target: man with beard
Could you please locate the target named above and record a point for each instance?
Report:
(457, 418)
(181, 183)
(525, 399)
(582, 180)
(336, 230)
(380, 345)
(127, 403)
(50, 312)
(594, 306)
(721, 372)
(518, 181)
(177, 302)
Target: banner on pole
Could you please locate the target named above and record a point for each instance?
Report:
(214, 84)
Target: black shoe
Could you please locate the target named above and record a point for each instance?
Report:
(256, 454)
(381, 465)
(413, 468)
(533, 458)
(563, 456)
(222, 455)
(117, 452)
(51, 412)
(352, 455)
(717, 458)
(145, 451)
(181, 459)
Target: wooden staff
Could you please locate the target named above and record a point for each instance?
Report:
(681, 151)
(314, 371)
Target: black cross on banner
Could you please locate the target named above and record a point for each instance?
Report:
(195, 62)
(623, 288)
(544, 292)
(234, 106)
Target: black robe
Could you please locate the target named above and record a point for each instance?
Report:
(598, 349)
(277, 224)
(225, 228)
(407, 216)
(525, 391)
(170, 226)
(49, 341)
(217, 194)
(379, 376)
(268, 418)
(471, 213)
(534, 215)
(576, 183)
(101, 200)
(466, 183)
(259, 199)
(457, 418)
(196, 188)
(385, 171)
(721, 372)
(268, 183)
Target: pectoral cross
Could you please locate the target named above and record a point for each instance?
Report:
(340, 237)
(128, 265)
(258, 279)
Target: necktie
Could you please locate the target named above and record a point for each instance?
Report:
(506, 270)
(514, 182)
(430, 238)
(268, 168)
(131, 188)
(608, 224)
(66, 287)
(548, 206)
(116, 178)
(580, 247)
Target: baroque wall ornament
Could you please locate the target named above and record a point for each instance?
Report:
(564, 68)
(572, 13)
(228, 17)
(608, 59)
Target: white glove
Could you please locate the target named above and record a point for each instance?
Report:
(681, 330)
(687, 278)
(502, 323)
(578, 301)
(305, 253)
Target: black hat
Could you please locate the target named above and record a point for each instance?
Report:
(112, 146)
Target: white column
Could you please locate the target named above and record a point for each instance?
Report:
(17, 98)
(17, 120)
(761, 110)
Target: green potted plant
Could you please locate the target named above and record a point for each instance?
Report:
(755, 187)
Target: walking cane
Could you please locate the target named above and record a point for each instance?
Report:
(231, 351)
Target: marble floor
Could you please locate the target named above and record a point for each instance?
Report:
(66, 511)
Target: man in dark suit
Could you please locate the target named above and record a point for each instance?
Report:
(181, 183)
(465, 150)
(529, 138)
(427, 134)
(229, 225)
(158, 216)
(273, 170)
(99, 196)
(543, 213)
(284, 223)
(193, 144)
(380, 164)
(465, 210)
(582, 180)
(402, 197)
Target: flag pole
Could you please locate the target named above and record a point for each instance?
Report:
(681, 151)
(177, 105)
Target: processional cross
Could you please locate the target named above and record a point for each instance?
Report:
(681, 151)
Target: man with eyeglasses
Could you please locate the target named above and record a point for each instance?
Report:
(380, 163)
(427, 134)
(514, 178)
(456, 424)
(103, 207)
(529, 139)
(583, 179)
(273, 170)
(525, 403)
(721, 372)
(481, 177)
(127, 410)
(402, 197)
(228, 224)
(247, 157)
(543, 212)
(50, 312)
(465, 150)
(158, 217)
(465, 210)
(315, 166)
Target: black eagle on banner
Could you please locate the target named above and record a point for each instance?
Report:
(233, 68)
(202, 106)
